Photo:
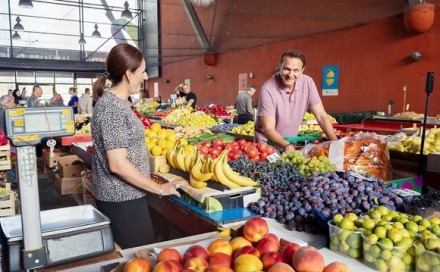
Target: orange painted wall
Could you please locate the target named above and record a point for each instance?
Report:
(374, 63)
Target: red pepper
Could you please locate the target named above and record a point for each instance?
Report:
(138, 115)
(147, 122)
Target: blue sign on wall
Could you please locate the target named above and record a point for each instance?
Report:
(330, 80)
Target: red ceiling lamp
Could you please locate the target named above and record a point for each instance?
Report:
(419, 17)
(210, 58)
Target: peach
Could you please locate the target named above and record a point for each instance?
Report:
(336, 267)
(272, 236)
(308, 259)
(288, 252)
(271, 258)
(220, 245)
(169, 254)
(219, 268)
(220, 258)
(247, 250)
(196, 263)
(168, 266)
(140, 264)
(239, 242)
(255, 228)
(247, 263)
(281, 267)
(195, 251)
(267, 245)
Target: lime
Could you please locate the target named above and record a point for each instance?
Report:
(396, 264)
(337, 218)
(372, 238)
(354, 253)
(417, 218)
(395, 235)
(433, 260)
(422, 265)
(387, 218)
(403, 219)
(421, 228)
(374, 214)
(352, 216)
(381, 223)
(432, 243)
(354, 240)
(434, 220)
(426, 223)
(334, 238)
(393, 214)
(407, 258)
(412, 226)
(343, 234)
(346, 224)
(385, 254)
(368, 257)
(369, 224)
(375, 251)
(386, 243)
(212, 205)
(344, 247)
(419, 248)
(380, 232)
(381, 265)
(383, 210)
(398, 225)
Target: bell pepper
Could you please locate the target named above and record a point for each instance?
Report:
(147, 122)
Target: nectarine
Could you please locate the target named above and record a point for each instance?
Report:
(198, 264)
(255, 228)
(219, 268)
(137, 264)
(195, 251)
(220, 245)
(336, 267)
(220, 258)
(308, 259)
(168, 266)
(239, 242)
(281, 267)
(270, 258)
(247, 250)
(267, 245)
(288, 252)
(169, 254)
(247, 263)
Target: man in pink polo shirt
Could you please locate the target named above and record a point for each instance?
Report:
(284, 99)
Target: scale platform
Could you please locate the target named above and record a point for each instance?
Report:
(69, 234)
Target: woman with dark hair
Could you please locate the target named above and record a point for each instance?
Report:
(121, 171)
(17, 96)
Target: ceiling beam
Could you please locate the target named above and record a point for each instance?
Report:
(197, 26)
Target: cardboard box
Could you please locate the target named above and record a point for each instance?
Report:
(67, 186)
(49, 161)
(434, 162)
(5, 162)
(70, 166)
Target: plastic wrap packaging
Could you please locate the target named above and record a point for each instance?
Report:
(365, 154)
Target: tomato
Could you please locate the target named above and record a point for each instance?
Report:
(263, 156)
(262, 147)
(214, 152)
(235, 147)
(228, 147)
(207, 144)
(241, 142)
(218, 141)
(270, 149)
(233, 156)
(204, 149)
(252, 152)
(244, 146)
(137, 264)
(219, 147)
(253, 144)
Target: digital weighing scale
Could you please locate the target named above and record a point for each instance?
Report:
(37, 239)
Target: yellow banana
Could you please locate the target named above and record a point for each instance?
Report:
(170, 156)
(188, 159)
(180, 159)
(197, 174)
(196, 184)
(207, 165)
(235, 176)
(218, 171)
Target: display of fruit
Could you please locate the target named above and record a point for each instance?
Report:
(263, 254)
(308, 165)
(137, 264)
(310, 117)
(412, 144)
(185, 117)
(246, 129)
(427, 251)
(211, 137)
(345, 235)
(224, 127)
(189, 132)
(159, 140)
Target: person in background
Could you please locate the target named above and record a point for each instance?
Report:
(17, 96)
(6, 102)
(86, 102)
(243, 104)
(24, 94)
(121, 171)
(33, 100)
(73, 102)
(284, 98)
(159, 99)
(187, 97)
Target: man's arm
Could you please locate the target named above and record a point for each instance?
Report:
(268, 123)
(323, 121)
(249, 107)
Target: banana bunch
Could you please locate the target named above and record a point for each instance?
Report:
(201, 170)
(412, 144)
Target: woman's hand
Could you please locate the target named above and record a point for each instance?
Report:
(170, 188)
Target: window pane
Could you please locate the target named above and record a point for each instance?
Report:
(45, 77)
(26, 77)
(64, 78)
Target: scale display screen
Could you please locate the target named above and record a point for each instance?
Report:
(27, 126)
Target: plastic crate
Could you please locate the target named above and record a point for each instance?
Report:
(345, 242)
(7, 202)
(388, 258)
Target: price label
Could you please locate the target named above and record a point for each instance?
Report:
(17, 112)
(273, 157)
(65, 112)
(26, 138)
(18, 123)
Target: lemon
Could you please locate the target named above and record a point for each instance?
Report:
(417, 218)
(398, 225)
(372, 238)
(146, 131)
(156, 150)
(385, 254)
(383, 210)
(369, 224)
(162, 143)
(151, 135)
(150, 145)
(380, 232)
(381, 265)
(375, 214)
(162, 134)
(352, 216)
(412, 226)
(155, 127)
(165, 151)
(395, 235)
(171, 137)
(337, 218)
(346, 224)
(354, 240)
(386, 243)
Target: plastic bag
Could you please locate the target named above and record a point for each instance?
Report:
(365, 154)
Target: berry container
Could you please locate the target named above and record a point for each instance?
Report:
(345, 242)
(387, 257)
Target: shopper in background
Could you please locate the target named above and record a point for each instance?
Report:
(186, 96)
(17, 96)
(243, 104)
(86, 102)
(57, 99)
(285, 98)
(121, 170)
(6, 102)
(24, 94)
(33, 100)
(73, 102)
